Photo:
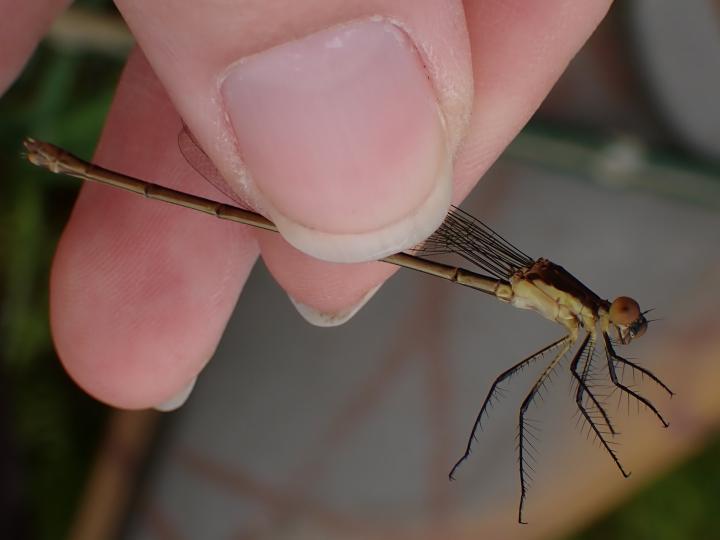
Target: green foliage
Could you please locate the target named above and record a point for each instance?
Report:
(678, 506)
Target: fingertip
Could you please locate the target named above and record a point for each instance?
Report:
(326, 319)
(325, 294)
(141, 291)
(178, 399)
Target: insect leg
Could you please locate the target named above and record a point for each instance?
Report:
(523, 433)
(584, 389)
(508, 373)
(633, 365)
(612, 357)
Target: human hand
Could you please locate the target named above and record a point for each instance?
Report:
(352, 125)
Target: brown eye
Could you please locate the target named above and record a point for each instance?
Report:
(624, 311)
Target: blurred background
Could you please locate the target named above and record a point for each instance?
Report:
(349, 432)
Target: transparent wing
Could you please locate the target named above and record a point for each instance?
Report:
(199, 160)
(464, 235)
(460, 234)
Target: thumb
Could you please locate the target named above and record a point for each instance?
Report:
(338, 123)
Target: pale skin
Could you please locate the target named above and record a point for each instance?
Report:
(120, 283)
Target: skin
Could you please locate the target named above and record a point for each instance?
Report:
(135, 318)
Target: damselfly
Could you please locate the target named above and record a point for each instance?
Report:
(513, 277)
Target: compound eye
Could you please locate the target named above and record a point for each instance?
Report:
(639, 329)
(624, 311)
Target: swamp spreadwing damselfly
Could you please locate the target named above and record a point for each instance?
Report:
(590, 322)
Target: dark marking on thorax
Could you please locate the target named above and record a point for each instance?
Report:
(556, 276)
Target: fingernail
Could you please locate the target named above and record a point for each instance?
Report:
(320, 318)
(178, 399)
(344, 141)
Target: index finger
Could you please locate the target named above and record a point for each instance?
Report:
(141, 291)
